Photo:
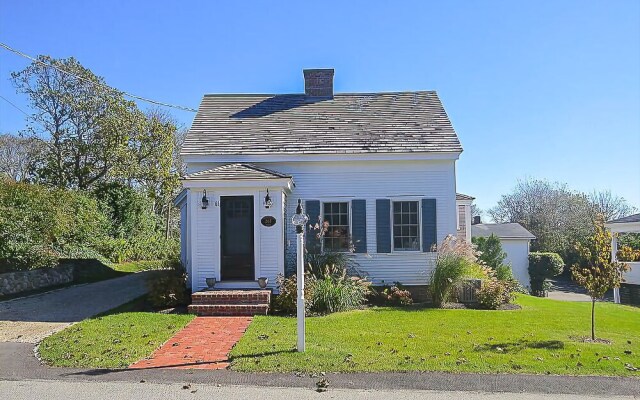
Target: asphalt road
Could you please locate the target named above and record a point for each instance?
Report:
(61, 390)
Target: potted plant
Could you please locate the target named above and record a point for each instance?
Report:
(211, 282)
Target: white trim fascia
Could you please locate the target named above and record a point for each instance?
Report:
(302, 157)
(464, 202)
(285, 183)
(624, 227)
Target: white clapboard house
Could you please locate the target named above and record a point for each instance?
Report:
(379, 167)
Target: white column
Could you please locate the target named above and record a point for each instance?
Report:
(300, 303)
(614, 258)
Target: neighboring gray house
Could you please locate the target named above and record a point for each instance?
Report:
(515, 240)
(379, 167)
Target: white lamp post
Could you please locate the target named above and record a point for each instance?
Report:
(300, 219)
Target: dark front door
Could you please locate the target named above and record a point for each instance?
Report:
(236, 237)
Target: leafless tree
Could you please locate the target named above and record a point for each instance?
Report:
(18, 155)
(609, 205)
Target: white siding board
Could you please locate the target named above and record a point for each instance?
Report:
(518, 256)
(330, 181)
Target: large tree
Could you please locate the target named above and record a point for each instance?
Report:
(556, 215)
(155, 165)
(86, 124)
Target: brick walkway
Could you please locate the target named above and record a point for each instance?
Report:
(204, 343)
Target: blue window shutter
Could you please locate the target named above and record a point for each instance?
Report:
(312, 208)
(429, 227)
(383, 225)
(359, 222)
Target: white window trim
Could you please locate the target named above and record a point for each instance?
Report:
(350, 214)
(398, 200)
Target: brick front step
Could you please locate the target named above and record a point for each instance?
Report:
(231, 297)
(210, 310)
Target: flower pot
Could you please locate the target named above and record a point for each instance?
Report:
(263, 282)
(211, 282)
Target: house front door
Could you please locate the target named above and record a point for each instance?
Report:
(236, 238)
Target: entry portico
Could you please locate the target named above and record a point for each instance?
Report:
(235, 215)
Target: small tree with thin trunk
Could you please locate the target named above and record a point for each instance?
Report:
(595, 271)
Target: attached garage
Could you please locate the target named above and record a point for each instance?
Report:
(515, 240)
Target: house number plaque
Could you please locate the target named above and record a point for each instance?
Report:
(268, 221)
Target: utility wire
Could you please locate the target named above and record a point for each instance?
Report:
(14, 106)
(133, 96)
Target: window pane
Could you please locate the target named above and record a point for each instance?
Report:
(337, 236)
(405, 225)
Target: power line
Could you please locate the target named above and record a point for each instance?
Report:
(133, 96)
(14, 106)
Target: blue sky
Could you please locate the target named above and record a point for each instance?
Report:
(541, 89)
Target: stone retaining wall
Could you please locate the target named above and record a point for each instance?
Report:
(23, 281)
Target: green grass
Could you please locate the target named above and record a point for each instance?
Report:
(137, 266)
(115, 340)
(538, 339)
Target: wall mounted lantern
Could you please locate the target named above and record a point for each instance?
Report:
(267, 200)
(205, 200)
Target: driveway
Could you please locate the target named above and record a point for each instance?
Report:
(30, 319)
(564, 288)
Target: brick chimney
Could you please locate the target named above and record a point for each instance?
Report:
(318, 82)
(476, 220)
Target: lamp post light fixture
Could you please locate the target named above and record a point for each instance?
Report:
(205, 200)
(299, 220)
(267, 200)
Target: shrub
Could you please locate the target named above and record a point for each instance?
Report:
(504, 273)
(168, 288)
(627, 253)
(335, 291)
(490, 251)
(493, 293)
(454, 260)
(38, 225)
(543, 266)
(286, 300)
(395, 295)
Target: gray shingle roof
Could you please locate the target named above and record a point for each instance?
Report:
(348, 123)
(629, 218)
(511, 230)
(461, 196)
(235, 172)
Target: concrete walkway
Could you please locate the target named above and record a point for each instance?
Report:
(30, 319)
(204, 343)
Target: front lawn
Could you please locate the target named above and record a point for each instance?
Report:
(115, 340)
(542, 337)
